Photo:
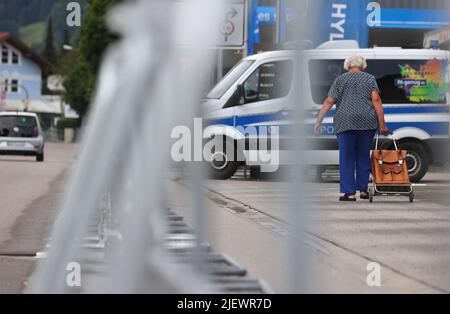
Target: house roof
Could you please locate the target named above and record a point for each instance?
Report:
(26, 51)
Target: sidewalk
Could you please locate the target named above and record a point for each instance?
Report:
(411, 242)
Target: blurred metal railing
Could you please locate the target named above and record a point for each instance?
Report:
(145, 88)
(125, 150)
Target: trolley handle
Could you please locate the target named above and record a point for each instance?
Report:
(393, 140)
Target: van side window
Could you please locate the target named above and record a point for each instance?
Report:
(270, 81)
(411, 81)
(400, 81)
(322, 74)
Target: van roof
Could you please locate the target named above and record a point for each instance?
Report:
(379, 52)
(18, 114)
(272, 54)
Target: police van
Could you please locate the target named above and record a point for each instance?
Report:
(263, 90)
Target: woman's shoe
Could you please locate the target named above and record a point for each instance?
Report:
(364, 196)
(347, 198)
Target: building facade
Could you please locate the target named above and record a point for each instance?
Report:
(438, 39)
(21, 72)
(372, 23)
(277, 24)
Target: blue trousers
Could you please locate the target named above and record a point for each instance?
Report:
(354, 160)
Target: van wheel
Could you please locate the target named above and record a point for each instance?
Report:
(417, 160)
(40, 157)
(222, 167)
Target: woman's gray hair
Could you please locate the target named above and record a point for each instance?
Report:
(355, 61)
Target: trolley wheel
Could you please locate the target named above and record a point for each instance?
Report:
(371, 195)
(411, 197)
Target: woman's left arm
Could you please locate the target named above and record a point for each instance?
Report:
(327, 105)
(376, 101)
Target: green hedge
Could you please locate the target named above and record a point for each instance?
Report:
(64, 123)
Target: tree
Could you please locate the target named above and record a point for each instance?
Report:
(94, 39)
(66, 37)
(76, 84)
(49, 50)
(65, 42)
(94, 35)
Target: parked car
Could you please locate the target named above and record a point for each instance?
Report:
(21, 135)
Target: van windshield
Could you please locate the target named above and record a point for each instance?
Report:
(18, 126)
(221, 88)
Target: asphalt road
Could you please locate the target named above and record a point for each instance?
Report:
(29, 194)
(248, 221)
(411, 242)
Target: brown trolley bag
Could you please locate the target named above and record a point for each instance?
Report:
(389, 166)
(390, 172)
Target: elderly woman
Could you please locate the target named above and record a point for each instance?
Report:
(359, 114)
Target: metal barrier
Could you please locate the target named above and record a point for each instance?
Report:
(114, 220)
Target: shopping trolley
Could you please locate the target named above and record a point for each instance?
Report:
(390, 172)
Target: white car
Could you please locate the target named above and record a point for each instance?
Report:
(21, 135)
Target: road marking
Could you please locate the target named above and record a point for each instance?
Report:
(431, 185)
(265, 220)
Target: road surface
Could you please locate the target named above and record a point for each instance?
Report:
(411, 242)
(247, 221)
(30, 193)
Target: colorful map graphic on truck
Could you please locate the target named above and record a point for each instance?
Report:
(426, 83)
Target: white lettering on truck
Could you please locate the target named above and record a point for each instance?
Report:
(338, 13)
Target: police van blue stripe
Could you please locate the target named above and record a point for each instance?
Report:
(400, 110)
(433, 128)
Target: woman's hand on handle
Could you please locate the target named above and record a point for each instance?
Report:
(385, 131)
(317, 128)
